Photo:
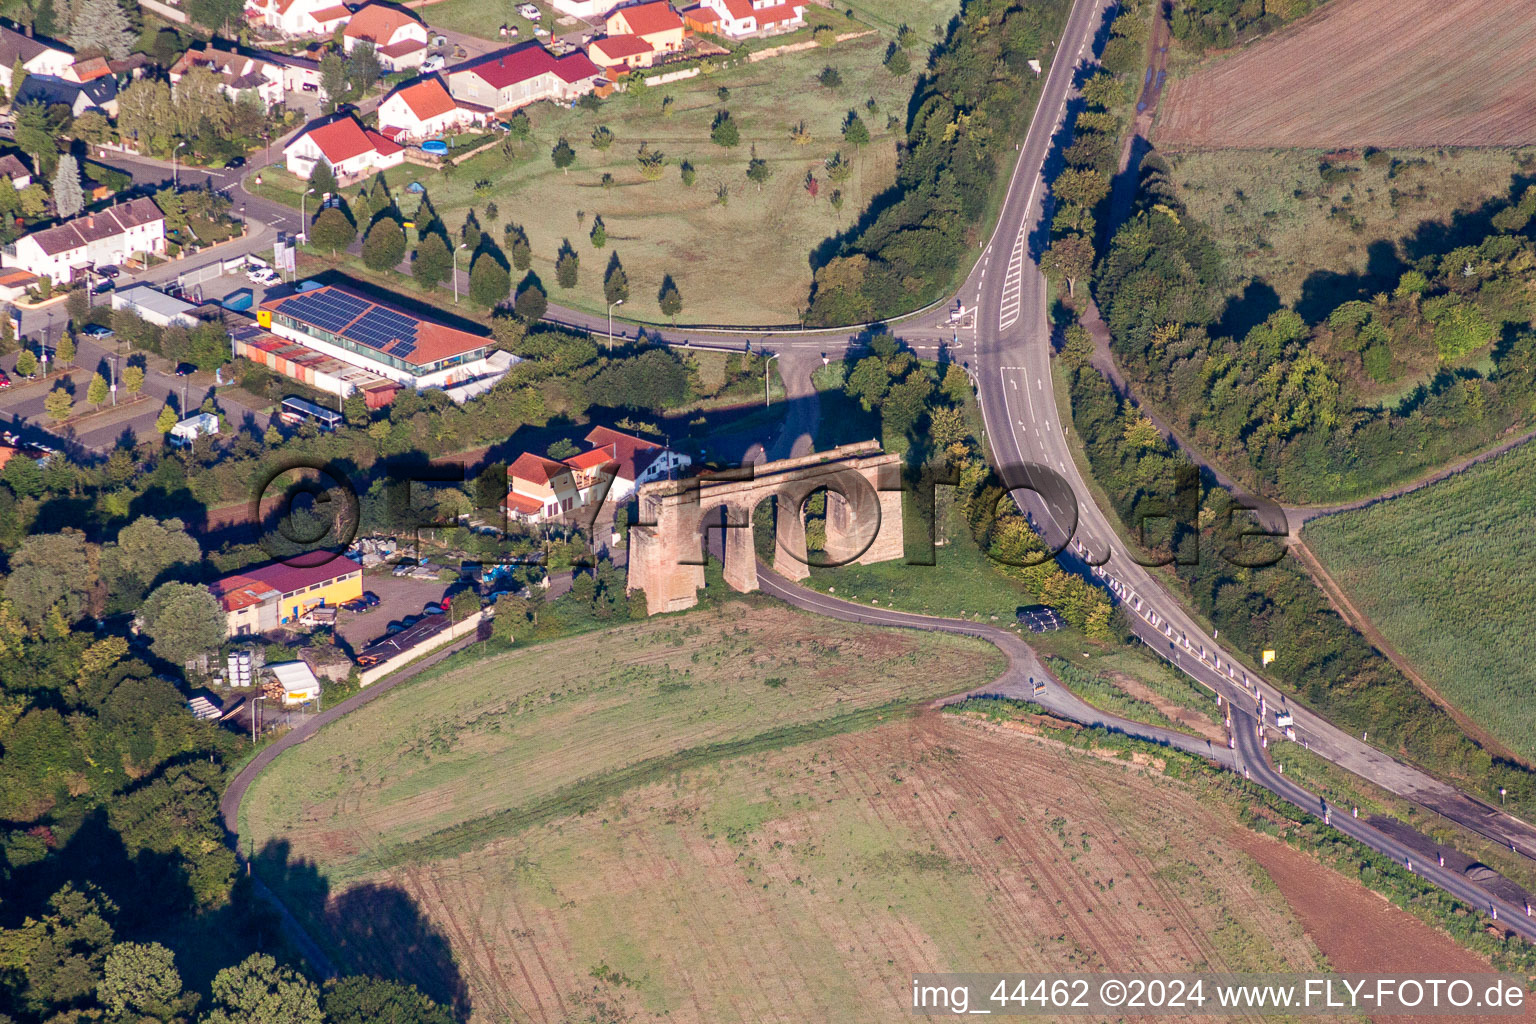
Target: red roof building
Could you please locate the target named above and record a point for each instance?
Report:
(521, 75)
(351, 150)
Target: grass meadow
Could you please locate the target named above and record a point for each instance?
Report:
(1445, 573)
(501, 742)
(1277, 221)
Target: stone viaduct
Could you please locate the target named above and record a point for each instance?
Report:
(668, 546)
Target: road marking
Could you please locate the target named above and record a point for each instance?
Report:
(1013, 290)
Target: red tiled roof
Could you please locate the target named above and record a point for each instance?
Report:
(619, 47)
(382, 145)
(527, 506)
(530, 60)
(633, 454)
(237, 591)
(337, 13)
(536, 468)
(590, 460)
(644, 19)
(703, 15)
(379, 22)
(402, 47)
(779, 12)
(285, 579)
(344, 139)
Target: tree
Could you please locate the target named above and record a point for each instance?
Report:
(1085, 188)
(140, 982)
(363, 68)
(799, 134)
(489, 281)
(66, 350)
(361, 1000)
(68, 196)
(566, 266)
(758, 170)
(92, 128)
(563, 155)
(166, 420)
(897, 62)
(855, 132)
(670, 299)
(102, 25)
(433, 262)
(830, 77)
(562, 449)
(599, 233)
(838, 169)
(1070, 258)
(18, 75)
(602, 137)
(723, 131)
(333, 230)
(215, 14)
(52, 569)
(652, 162)
(26, 363)
(144, 551)
(384, 247)
(35, 134)
(333, 78)
(615, 281)
(258, 991)
(133, 378)
(323, 180)
(522, 251)
(531, 302)
(355, 408)
(58, 404)
(183, 621)
(97, 391)
(688, 173)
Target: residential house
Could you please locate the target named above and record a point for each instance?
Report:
(15, 170)
(522, 75)
(67, 251)
(37, 56)
(741, 18)
(621, 52)
(586, 10)
(424, 108)
(398, 35)
(263, 598)
(655, 22)
(98, 94)
(87, 70)
(297, 17)
(14, 285)
(540, 489)
(237, 73)
(298, 72)
(635, 460)
(352, 150)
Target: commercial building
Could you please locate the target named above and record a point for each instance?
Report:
(155, 306)
(362, 331)
(309, 367)
(115, 235)
(522, 75)
(263, 598)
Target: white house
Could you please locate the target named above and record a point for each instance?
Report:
(587, 10)
(237, 73)
(352, 150)
(397, 34)
(111, 236)
(190, 429)
(637, 460)
(297, 17)
(424, 108)
(740, 18)
(37, 57)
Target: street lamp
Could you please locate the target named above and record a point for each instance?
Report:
(770, 359)
(303, 216)
(255, 712)
(175, 170)
(456, 272)
(112, 361)
(617, 302)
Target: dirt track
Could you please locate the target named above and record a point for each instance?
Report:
(1368, 72)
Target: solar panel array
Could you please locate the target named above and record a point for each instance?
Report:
(329, 310)
(357, 319)
(381, 328)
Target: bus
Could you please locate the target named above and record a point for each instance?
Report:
(295, 411)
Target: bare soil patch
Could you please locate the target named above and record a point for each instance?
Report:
(1368, 72)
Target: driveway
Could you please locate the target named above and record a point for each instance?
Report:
(398, 597)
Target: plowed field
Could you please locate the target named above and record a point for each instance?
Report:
(1368, 73)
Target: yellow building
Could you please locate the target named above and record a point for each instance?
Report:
(657, 23)
(264, 598)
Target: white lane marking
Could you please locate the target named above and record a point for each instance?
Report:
(1013, 291)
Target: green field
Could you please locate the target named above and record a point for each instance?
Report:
(550, 729)
(1276, 219)
(1444, 573)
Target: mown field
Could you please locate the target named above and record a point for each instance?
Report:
(1277, 220)
(1367, 73)
(502, 742)
(809, 883)
(1445, 573)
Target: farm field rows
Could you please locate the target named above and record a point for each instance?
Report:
(1367, 73)
(486, 746)
(1445, 573)
(809, 883)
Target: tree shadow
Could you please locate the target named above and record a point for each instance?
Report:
(1246, 311)
(371, 928)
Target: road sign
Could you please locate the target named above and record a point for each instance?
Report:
(1269, 656)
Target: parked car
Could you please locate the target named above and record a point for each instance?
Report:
(310, 87)
(5, 381)
(108, 271)
(357, 604)
(436, 62)
(237, 162)
(185, 369)
(393, 628)
(370, 599)
(432, 609)
(102, 287)
(410, 620)
(96, 332)
(264, 276)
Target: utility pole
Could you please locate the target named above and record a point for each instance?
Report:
(616, 302)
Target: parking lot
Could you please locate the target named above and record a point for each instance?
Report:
(398, 597)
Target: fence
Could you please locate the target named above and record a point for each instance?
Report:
(432, 643)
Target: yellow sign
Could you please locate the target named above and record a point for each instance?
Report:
(1269, 656)
(264, 318)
